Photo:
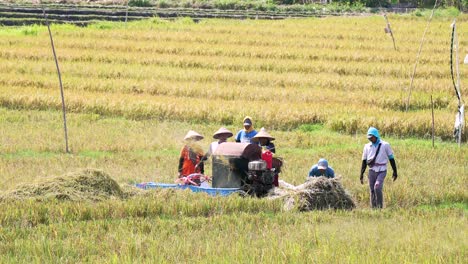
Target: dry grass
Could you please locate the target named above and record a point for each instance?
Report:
(342, 74)
(317, 193)
(83, 185)
(147, 69)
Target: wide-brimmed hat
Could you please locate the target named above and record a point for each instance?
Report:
(193, 136)
(262, 134)
(222, 131)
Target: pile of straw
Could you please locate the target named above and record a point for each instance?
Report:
(317, 193)
(83, 185)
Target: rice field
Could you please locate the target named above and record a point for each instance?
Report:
(133, 91)
(345, 76)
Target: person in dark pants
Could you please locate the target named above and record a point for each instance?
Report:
(376, 154)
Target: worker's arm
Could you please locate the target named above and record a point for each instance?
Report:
(395, 174)
(391, 158)
(363, 169)
(202, 167)
(238, 136)
(313, 171)
(181, 163)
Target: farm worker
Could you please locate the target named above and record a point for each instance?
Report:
(264, 140)
(245, 135)
(221, 135)
(322, 169)
(376, 155)
(191, 155)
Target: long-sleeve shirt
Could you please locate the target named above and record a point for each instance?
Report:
(270, 146)
(188, 160)
(315, 172)
(385, 153)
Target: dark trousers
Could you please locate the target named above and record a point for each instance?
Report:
(376, 181)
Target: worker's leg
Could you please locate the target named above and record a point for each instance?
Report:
(378, 188)
(372, 179)
(276, 180)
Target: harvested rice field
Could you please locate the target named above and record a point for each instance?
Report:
(132, 92)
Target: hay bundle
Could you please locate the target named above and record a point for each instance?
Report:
(317, 193)
(87, 184)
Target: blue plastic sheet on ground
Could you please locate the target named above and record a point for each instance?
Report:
(208, 190)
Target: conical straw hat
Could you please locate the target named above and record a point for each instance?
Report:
(222, 131)
(193, 135)
(262, 134)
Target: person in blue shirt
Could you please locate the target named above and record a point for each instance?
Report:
(322, 169)
(245, 135)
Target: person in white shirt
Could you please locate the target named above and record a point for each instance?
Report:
(376, 154)
(221, 135)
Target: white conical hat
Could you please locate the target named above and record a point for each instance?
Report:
(222, 131)
(262, 134)
(193, 135)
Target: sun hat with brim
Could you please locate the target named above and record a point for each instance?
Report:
(193, 136)
(222, 131)
(322, 164)
(247, 122)
(262, 134)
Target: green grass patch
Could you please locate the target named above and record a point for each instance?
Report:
(445, 205)
(311, 127)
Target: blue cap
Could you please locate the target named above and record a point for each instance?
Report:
(373, 132)
(322, 164)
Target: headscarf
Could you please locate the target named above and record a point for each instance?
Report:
(251, 125)
(374, 132)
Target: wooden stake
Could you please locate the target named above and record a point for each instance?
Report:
(433, 127)
(390, 30)
(417, 57)
(60, 81)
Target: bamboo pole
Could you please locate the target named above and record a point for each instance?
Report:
(390, 30)
(433, 126)
(459, 139)
(417, 57)
(60, 81)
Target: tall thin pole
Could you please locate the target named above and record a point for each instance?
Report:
(389, 30)
(433, 126)
(417, 57)
(388, 26)
(456, 85)
(60, 81)
(462, 124)
(457, 60)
